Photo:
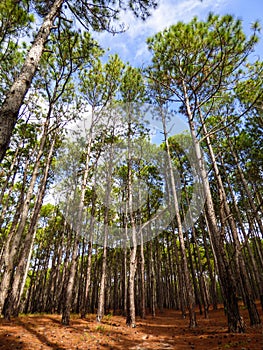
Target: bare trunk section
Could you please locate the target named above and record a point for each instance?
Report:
(12, 248)
(125, 279)
(10, 108)
(185, 269)
(254, 270)
(9, 184)
(21, 271)
(152, 281)
(227, 282)
(70, 284)
(131, 320)
(142, 263)
(107, 200)
(84, 304)
(246, 188)
(70, 279)
(228, 216)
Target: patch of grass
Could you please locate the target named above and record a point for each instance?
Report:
(100, 328)
(108, 317)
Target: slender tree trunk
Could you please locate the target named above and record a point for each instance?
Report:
(142, 263)
(125, 280)
(107, 201)
(12, 248)
(21, 271)
(179, 277)
(116, 288)
(194, 271)
(201, 279)
(68, 292)
(101, 305)
(160, 287)
(84, 305)
(79, 224)
(246, 188)
(227, 282)
(8, 186)
(228, 215)
(30, 289)
(142, 269)
(131, 320)
(173, 286)
(152, 281)
(185, 269)
(10, 108)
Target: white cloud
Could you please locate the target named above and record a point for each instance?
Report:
(131, 45)
(169, 12)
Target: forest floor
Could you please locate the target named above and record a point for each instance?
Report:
(168, 330)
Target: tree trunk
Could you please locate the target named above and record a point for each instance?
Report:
(175, 204)
(125, 280)
(84, 304)
(131, 320)
(68, 292)
(84, 310)
(8, 185)
(228, 215)
(152, 281)
(10, 108)
(107, 201)
(21, 271)
(142, 269)
(101, 305)
(246, 188)
(160, 287)
(79, 224)
(227, 282)
(12, 248)
(254, 269)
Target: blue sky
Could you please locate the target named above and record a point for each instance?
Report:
(131, 45)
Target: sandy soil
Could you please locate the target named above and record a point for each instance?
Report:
(166, 331)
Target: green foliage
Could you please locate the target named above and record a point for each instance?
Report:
(15, 22)
(204, 55)
(14, 18)
(60, 63)
(100, 84)
(100, 15)
(132, 87)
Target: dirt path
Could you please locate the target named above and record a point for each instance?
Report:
(166, 331)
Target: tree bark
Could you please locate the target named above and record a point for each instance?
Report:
(228, 216)
(21, 271)
(227, 282)
(12, 248)
(175, 203)
(131, 320)
(10, 108)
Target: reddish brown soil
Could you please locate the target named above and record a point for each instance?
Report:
(165, 331)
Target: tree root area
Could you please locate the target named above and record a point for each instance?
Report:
(167, 330)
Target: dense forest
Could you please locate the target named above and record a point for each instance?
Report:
(104, 208)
